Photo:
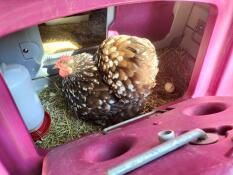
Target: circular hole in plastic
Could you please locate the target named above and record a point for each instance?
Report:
(210, 130)
(206, 109)
(108, 149)
(224, 129)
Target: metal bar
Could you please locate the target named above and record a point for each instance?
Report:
(105, 130)
(156, 152)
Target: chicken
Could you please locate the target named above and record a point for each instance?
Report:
(129, 65)
(111, 85)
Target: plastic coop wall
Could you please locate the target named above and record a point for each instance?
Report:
(212, 73)
(171, 24)
(23, 47)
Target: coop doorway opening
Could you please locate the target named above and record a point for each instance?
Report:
(177, 30)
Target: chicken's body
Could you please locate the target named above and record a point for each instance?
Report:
(91, 99)
(107, 91)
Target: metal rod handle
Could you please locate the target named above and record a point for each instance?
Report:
(157, 152)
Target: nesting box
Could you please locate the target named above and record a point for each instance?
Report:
(201, 29)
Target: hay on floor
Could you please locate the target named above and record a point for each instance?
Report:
(175, 66)
(64, 127)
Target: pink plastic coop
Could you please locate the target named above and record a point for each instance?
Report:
(207, 103)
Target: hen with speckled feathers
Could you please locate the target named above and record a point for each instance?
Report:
(112, 85)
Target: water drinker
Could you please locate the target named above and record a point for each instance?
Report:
(19, 83)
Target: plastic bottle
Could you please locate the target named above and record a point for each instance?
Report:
(19, 82)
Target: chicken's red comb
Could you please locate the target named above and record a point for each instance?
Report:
(62, 59)
(65, 58)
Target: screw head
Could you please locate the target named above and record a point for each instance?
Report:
(25, 50)
(210, 139)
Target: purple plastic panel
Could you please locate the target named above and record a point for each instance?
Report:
(212, 75)
(3, 170)
(17, 152)
(98, 153)
(226, 83)
(151, 20)
(214, 52)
